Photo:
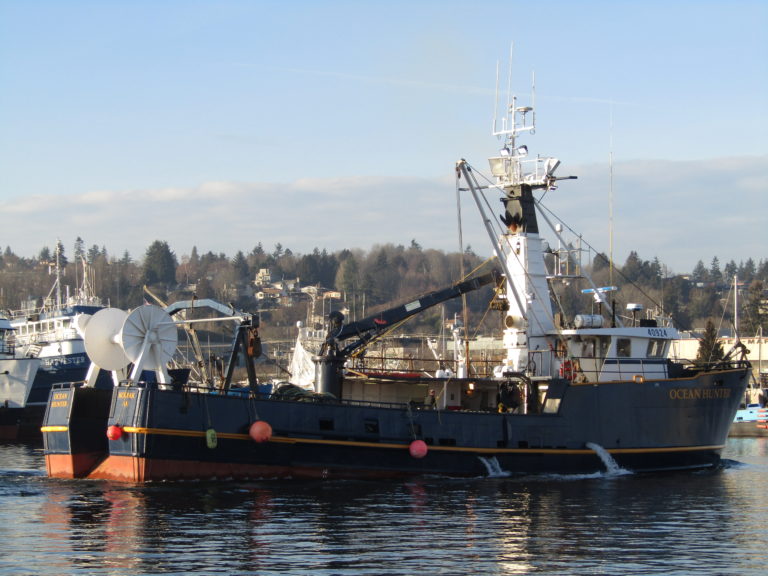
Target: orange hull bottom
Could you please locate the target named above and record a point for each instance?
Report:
(137, 470)
(71, 465)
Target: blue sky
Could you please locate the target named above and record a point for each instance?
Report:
(329, 124)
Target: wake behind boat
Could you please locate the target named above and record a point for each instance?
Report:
(572, 390)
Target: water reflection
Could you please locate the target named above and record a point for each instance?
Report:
(698, 523)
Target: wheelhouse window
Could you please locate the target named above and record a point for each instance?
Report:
(656, 348)
(623, 347)
(603, 343)
(595, 347)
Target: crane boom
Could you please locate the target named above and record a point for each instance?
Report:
(332, 355)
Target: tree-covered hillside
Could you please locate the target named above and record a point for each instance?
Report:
(367, 281)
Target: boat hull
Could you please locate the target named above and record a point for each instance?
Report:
(16, 382)
(71, 367)
(23, 421)
(74, 439)
(166, 435)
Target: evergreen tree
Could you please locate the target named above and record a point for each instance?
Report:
(752, 318)
(62, 258)
(347, 276)
(79, 249)
(762, 271)
(710, 349)
(600, 262)
(257, 253)
(329, 265)
(382, 262)
(657, 269)
(700, 273)
(93, 254)
(633, 267)
(159, 264)
(747, 271)
(714, 271)
(9, 258)
(240, 265)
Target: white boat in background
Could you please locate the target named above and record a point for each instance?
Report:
(747, 422)
(51, 332)
(750, 419)
(16, 377)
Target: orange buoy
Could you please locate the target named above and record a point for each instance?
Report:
(114, 432)
(260, 431)
(418, 449)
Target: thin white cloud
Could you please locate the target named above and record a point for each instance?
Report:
(681, 212)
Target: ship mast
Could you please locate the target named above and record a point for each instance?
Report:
(528, 318)
(58, 275)
(735, 306)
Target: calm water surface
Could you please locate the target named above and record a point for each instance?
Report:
(695, 523)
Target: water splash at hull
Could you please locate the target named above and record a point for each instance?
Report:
(612, 467)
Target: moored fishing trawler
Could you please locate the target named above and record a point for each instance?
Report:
(570, 392)
(52, 332)
(17, 373)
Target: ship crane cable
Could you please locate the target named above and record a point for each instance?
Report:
(500, 233)
(598, 293)
(593, 250)
(493, 234)
(496, 292)
(477, 190)
(373, 338)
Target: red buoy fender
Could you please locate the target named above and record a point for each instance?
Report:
(418, 449)
(260, 431)
(114, 432)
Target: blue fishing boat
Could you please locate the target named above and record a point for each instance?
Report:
(573, 392)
